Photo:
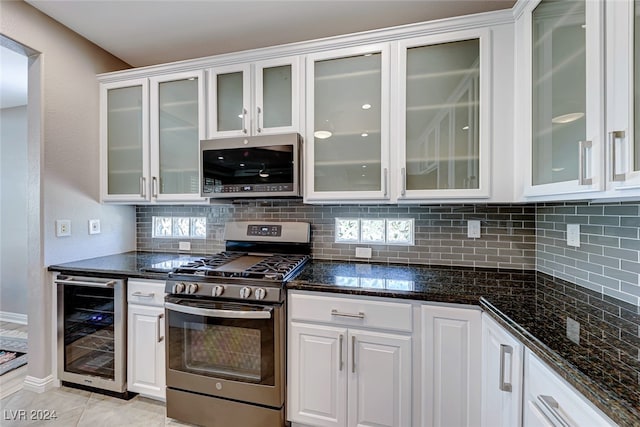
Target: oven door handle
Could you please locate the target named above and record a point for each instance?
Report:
(227, 314)
(108, 284)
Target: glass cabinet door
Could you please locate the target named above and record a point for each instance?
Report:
(565, 38)
(443, 101)
(347, 115)
(176, 129)
(229, 101)
(125, 140)
(276, 96)
(623, 97)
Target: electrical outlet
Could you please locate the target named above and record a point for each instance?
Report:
(473, 229)
(573, 330)
(363, 253)
(63, 227)
(184, 246)
(94, 226)
(573, 235)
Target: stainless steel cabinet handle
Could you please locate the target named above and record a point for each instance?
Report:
(258, 120)
(505, 349)
(140, 294)
(341, 345)
(353, 354)
(244, 120)
(551, 405)
(74, 282)
(227, 314)
(614, 155)
(143, 187)
(154, 186)
(160, 337)
(403, 174)
(386, 181)
(335, 312)
(583, 146)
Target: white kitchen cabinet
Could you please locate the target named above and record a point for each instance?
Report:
(502, 374)
(347, 140)
(560, 98)
(451, 366)
(444, 126)
(343, 375)
(145, 338)
(623, 97)
(124, 140)
(551, 402)
(254, 98)
(150, 135)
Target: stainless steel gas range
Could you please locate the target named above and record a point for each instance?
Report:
(226, 327)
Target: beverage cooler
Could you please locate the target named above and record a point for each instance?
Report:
(92, 332)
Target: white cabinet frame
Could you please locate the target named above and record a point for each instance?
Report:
(484, 116)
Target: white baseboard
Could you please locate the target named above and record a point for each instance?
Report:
(39, 385)
(7, 316)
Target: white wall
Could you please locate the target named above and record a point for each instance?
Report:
(63, 157)
(13, 210)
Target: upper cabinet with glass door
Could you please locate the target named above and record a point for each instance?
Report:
(124, 141)
(347, 143)
(177, 125)
(444, 101)
(562, 102)
(623, 97)
(254, 99)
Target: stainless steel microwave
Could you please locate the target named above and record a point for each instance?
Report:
(252, 166)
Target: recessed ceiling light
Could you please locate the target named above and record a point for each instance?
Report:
(322, 134)
(567, 118)
(364, 134)
(366, 106)
(241, 165)
(220, 158)
(557, 169)
(364, 166)
(465, 127)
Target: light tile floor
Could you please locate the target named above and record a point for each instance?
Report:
(80, 408)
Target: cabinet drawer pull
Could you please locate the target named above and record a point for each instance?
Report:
(341, 345)
(140, 294)
(504, 350)
(583, 146)
(160, 336)
(335, 312)
(614, 156)
(551, 405)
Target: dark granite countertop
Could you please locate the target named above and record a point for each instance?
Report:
(605, 363)
(149, 265)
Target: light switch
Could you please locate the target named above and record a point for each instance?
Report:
(473, 229)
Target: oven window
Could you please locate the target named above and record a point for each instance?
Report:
(227, 348)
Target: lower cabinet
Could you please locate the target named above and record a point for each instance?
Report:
(502, 372)
(145, 338)
(551, 401)
(451, 366)
(341, 374)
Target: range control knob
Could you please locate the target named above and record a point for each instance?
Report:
(245, 292)
(260, 293)
(192, 288)
(178, 288)
(217, 290)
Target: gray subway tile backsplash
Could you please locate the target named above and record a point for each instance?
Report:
(514, 236)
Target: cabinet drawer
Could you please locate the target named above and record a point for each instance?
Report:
(145, 292)
(351, 311)
(548, 398)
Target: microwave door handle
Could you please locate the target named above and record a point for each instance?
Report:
(211, 312)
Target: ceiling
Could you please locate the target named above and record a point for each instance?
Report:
(143, 32)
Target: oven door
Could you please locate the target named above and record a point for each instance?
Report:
(228, 350)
